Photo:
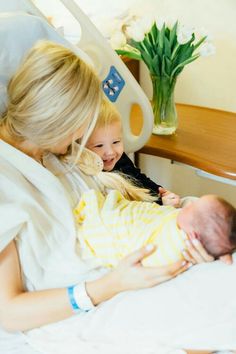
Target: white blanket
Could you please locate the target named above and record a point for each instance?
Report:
(196, 310)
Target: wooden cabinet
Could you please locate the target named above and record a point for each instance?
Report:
(133, 66)
(205, 139)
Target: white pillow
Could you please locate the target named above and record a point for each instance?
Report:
(19, 31)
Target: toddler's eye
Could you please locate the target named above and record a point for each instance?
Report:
(98, 146)
(116, 142)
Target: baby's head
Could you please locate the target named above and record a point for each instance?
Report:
(106, 139)
(213, 221)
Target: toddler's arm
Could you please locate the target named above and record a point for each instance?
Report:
(169, 198)
(126, 166)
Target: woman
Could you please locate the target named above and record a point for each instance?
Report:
(54, 100)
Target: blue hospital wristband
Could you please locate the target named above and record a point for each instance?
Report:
(70, 291)
(79, 299)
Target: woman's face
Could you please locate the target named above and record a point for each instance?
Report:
(62, 147)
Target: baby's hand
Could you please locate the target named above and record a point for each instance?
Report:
(169, 198)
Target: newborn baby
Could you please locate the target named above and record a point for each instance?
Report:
(110, 227)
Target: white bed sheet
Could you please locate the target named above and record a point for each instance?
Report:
(196, 310)
(14, 344)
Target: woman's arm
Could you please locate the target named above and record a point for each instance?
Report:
(20, 310)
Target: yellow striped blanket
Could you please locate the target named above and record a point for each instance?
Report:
(110, 227)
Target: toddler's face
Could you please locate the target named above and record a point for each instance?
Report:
(107, 142)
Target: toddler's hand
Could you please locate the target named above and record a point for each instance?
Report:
(169, 198)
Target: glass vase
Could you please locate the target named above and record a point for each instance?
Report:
(163, 104)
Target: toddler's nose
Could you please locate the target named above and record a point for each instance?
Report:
(110, 152)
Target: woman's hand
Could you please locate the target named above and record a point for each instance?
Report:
(169, 198)
(195, 253)
(131, 275)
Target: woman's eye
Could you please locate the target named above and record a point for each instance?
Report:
(116, 142)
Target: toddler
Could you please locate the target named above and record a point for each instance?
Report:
(106, 141)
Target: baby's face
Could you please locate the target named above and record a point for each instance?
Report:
(107, 142)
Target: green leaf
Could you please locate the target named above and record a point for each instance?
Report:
(128, 54)
(147, 60)
(152, 35)
(157, 65)
(168, 65)
(167, 34)
(154, 31)
(160, 38)
(163, 67)
(175, 51)
(159, 51)
(182, 52)
(173, 35)
(200, 42)
(189, 60)
(167, 47)
(135, 44)
(148, 47)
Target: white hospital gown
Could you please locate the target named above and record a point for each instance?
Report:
(29, 202)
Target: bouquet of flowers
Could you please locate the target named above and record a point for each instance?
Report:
(165, 49)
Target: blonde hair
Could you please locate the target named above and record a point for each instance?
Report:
(108, 114)
(91, 164)
(52, 94)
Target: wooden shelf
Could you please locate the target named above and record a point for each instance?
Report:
(205, 139)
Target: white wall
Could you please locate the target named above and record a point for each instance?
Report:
(207, 81)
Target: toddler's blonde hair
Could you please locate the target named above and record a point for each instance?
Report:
(108, 114)
(91, 164)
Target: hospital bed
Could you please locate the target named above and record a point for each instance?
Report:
(196, 310)
(117, 82)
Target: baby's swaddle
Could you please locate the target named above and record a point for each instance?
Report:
(110, 227)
